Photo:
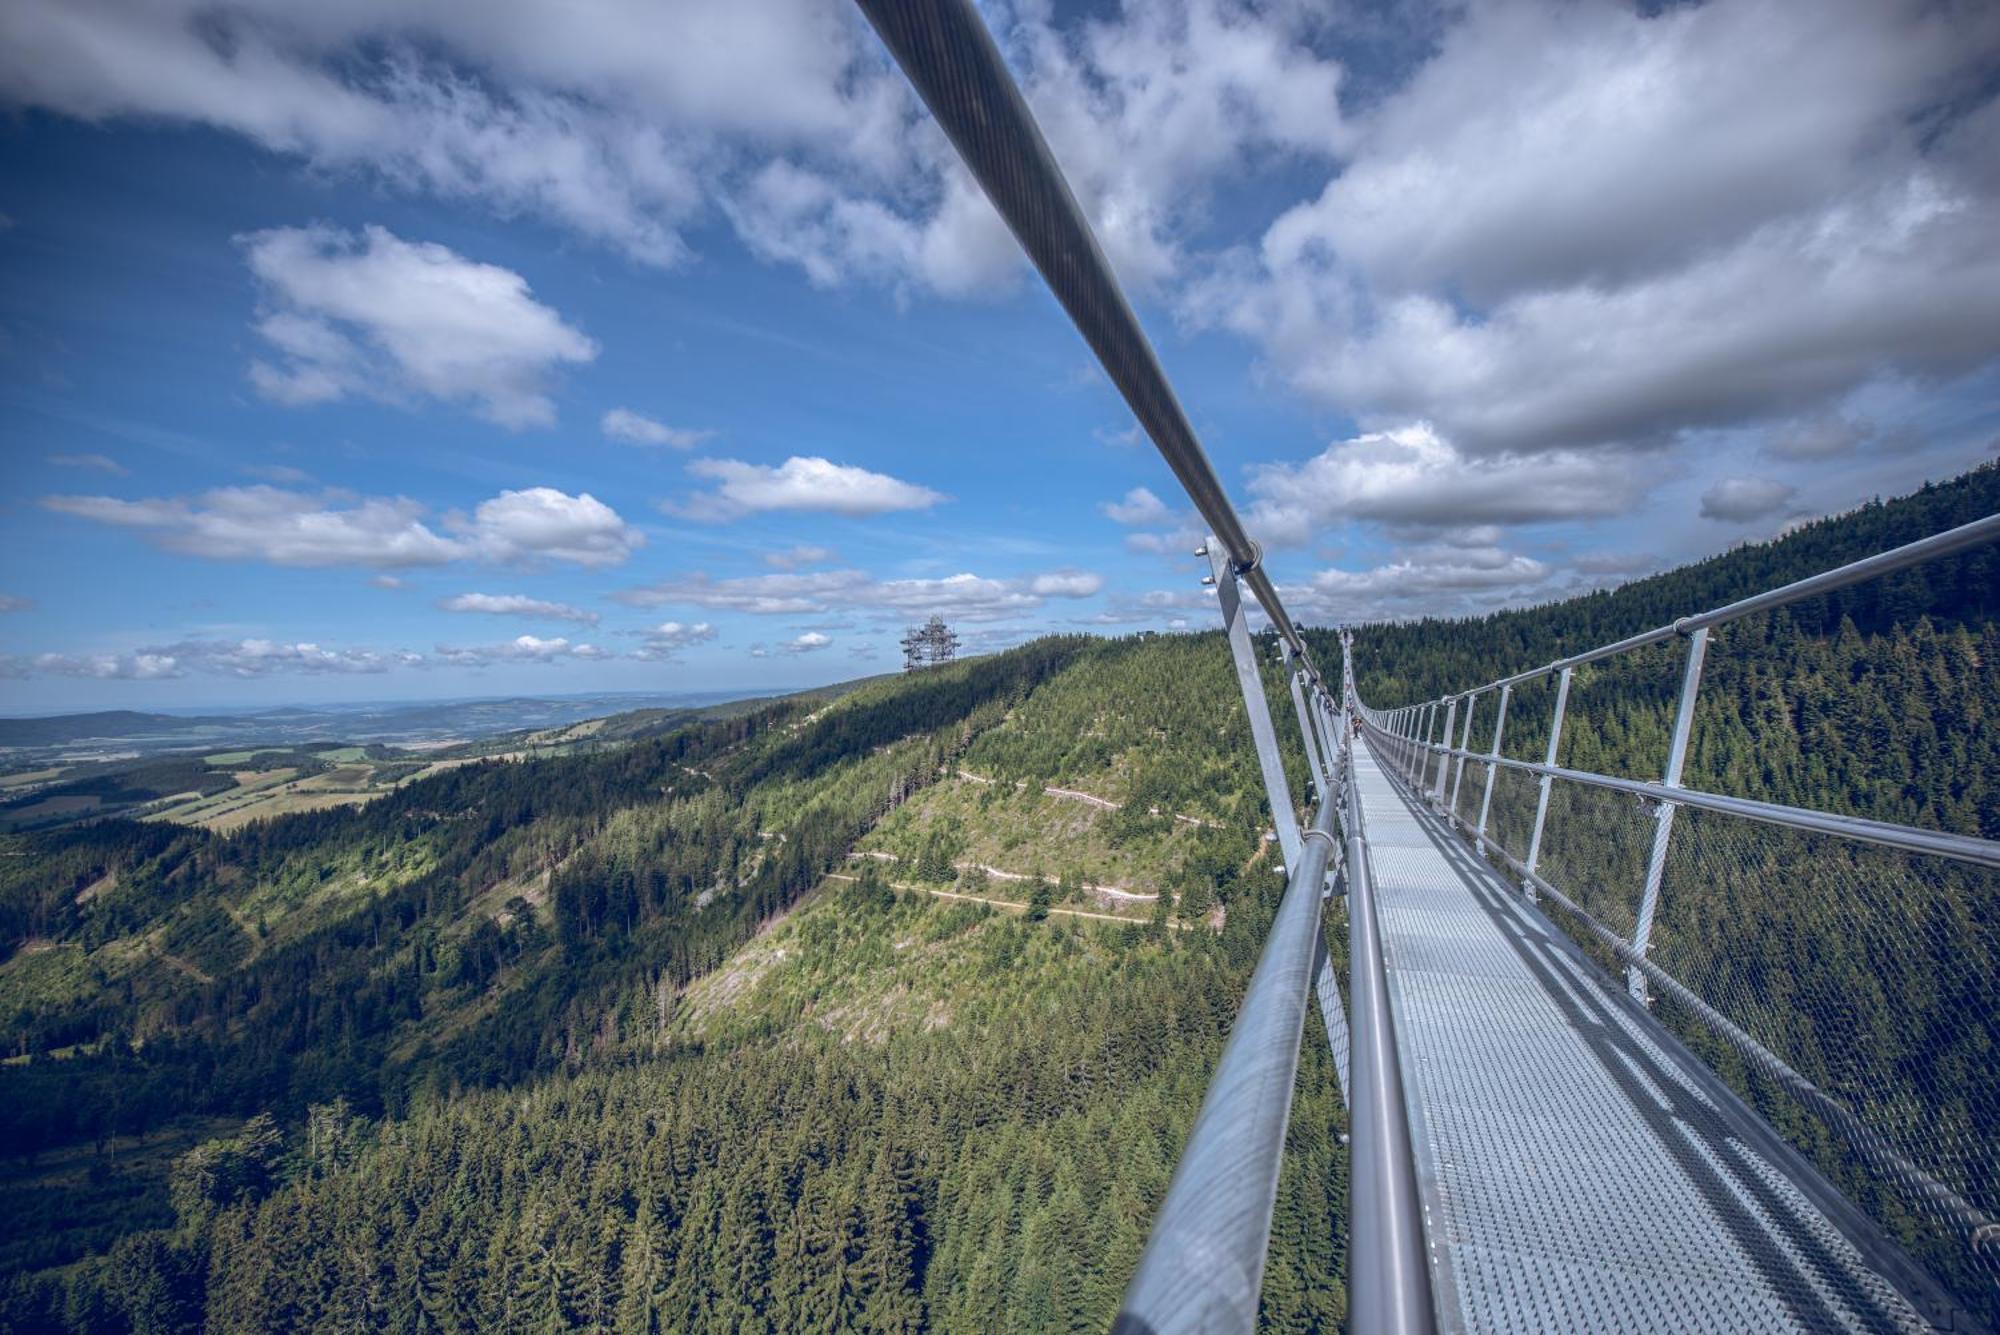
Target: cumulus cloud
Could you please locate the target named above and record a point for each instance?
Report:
(287, 528)
(635, 429)
(541, 522)
(798, 484)
(520, 649)
(632, 125)
(228, 658)
(602, 121)
(1739, 500)
(1156, 607)
(1433, 580)
(294, 528)
(14, 603)
(104, 667)
(665, 641)
(1140, 506)
(962, 597)
(791, 558)
(1411, 476)
(1066, 584)
(100, 463)
(1543, 241)
(516, 604)
(1168, 532)
(370, 314)
(810, 642)
(248, 658)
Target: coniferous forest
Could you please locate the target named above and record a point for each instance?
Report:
(633, 1041)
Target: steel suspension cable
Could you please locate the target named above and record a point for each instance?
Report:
(945, 49)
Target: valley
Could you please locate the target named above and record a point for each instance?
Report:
(887, 1007)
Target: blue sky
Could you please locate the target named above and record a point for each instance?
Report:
(385, 355)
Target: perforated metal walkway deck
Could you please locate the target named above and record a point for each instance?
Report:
(1579, 1169)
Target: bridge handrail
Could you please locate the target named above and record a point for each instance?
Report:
(1910, 838)
(1423, 755)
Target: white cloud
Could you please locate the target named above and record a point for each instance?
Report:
(1157, 607)
(632, 124)
(1140, 506)
(798, 484)
(105, 667)
(1433, 580)
(286, 528)
(962, 597)
(1586, 227)
(1410, 476)
(665, 641)
(14, 603)
(626, 425)
(1742, 499)
(228, 658)
(1176, 533)
(1066, 584)
(604, 120)
(370, 314)
(791, 558)
(521, 649)
(810, 642)
(543, 522)
(292, 528)
(96, 462)
(516, 604)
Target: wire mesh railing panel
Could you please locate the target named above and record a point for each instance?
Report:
(1530, 710)
(1621, 712)
(1511, 818)
(1594, 845)
(1470, 791)
(1874, 973)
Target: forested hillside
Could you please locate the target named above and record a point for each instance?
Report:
(889, 1013)
(893, 1137)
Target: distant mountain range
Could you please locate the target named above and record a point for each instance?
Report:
(131, 730)
(293, 724)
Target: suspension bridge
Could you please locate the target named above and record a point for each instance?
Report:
(1571, 1107)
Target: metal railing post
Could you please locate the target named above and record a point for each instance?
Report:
(1236, 623)
(1542, 798)
(1492, 769)
(1315, 756)
(1444, 759)
(1663, 818)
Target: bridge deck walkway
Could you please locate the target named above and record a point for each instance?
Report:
(1579, 1169)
